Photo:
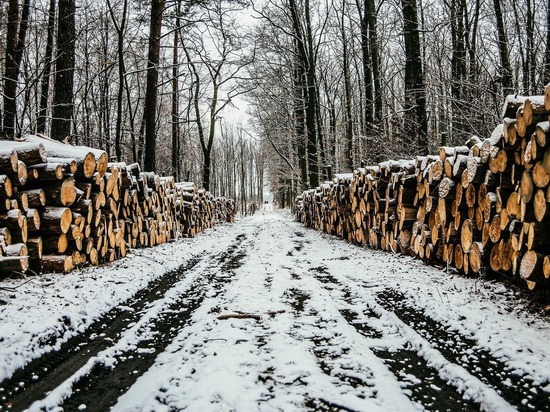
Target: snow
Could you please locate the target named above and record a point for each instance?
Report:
(274, 363)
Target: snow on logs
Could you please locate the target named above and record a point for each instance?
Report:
(478, 207)
(62, 206)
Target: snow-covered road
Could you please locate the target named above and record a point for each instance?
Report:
(350, 329)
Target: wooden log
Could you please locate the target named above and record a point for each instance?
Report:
(509, 130)
(57, 263)
(458, 257)
(69, 164)
(511, 105)
(12, 219)
(539, 205)
(85, 157)
(48, 171)
(461, 162)
(28, 153)
(542, 133)
(55, 244)
(19, 178)
(6, 188)
(539, 175)
(35, 248)
(33, 220)
(22, 200)
(526, 186)
(531, 267)
(537, 237)
(56, 219)
(36, 198)
(8, 160)
(17, 249)
(11, 264)
(533, 106)
(546, 267)
(61, 193)
(467, 235)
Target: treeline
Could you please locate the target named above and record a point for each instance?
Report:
(147, 81)
(329, 84)
(341, 82)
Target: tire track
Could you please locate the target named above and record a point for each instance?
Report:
(421, 382)
(43, 374)
(103, 385)
(518, 389)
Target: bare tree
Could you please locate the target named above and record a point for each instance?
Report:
(45, 81)
(63, 100)
(15, 44)
(415, 93)
(150, 116)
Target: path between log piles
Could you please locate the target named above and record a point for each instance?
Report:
(340, 328)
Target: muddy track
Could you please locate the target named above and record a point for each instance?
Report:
(422, 383)
(44, 374)
(323, 350)
(518, 389)
(103, 385)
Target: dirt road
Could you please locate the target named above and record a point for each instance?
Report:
(349, 329)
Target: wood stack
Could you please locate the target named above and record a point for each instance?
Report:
(478, 207)
(63, 206)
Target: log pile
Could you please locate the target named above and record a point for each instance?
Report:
(479, 207)
(62, 206)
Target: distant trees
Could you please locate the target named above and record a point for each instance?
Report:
(392, 79)
(330, 85)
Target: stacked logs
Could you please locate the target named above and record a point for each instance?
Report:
(478, 207)
(63, 206)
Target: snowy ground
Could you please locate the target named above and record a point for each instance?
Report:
(355, 329)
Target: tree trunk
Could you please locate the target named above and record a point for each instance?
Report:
(45, 81)
(11, 70)
(63, 103)
(367, 64)
(175, 92)
(348, 155)
(415, 93)
(299, 121)
(120, 28)
(546, 77)
(371, 16)
(306, 58)
(506, 67)
(157, 8)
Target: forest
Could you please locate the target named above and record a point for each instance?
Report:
(326, 85)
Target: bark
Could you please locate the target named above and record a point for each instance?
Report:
(157, 8)
(458, 69)
(120, 28)
(299, 121)
(367, 64)
(415, 93)
(506, 67)
(175, 121)
(371, 16)
(11, 70)
(306, 57)
(348, 155)
(45, 81)
(63, 101)
(546, 78)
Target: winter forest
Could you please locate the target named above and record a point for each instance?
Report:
(238, 95)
